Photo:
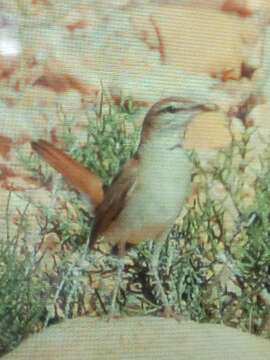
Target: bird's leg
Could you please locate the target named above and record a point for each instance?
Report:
(119, 277)
(154, 269)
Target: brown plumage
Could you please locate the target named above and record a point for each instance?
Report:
(148, 194)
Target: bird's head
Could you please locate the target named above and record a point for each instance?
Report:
(169, 117)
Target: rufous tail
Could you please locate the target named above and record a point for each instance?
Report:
(74, 173)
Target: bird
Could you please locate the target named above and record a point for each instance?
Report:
(148, 194)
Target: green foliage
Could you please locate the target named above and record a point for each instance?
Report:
(41, 285)
(205, 270)
(111, 139)
(22, 288)
(208, 271)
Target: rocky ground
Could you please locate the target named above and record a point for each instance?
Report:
(155, 338)
(60, 54)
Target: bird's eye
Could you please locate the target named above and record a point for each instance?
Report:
(171, 109)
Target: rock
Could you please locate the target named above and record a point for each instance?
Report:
(5, 146)
(258, 118)
(81, 16)
(10, 46)
(263, 74)
(209, 130)
(140, 338)
(239, 7)
(161, 81)
(195, 39)
(258, 121)
(246, 8)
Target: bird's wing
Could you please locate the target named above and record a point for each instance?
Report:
(107, 205)
(76, 174)
(115, 198)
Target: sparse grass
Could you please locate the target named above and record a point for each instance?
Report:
(111, 139)
(22, 287)
(209, 272)
(54, 280)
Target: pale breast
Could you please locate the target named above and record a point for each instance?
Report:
(162, 186)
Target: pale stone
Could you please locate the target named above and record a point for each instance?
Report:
(195, 39)
(253, 38)
(80, 17)
(209, 4)
(23, 122)
(141, 338)
(10, 46)
(263, 74)
(237, 128)
(258, 119)
(209, 130)
(162, 81)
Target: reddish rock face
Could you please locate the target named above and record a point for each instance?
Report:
(239, 7)
(5, 146)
